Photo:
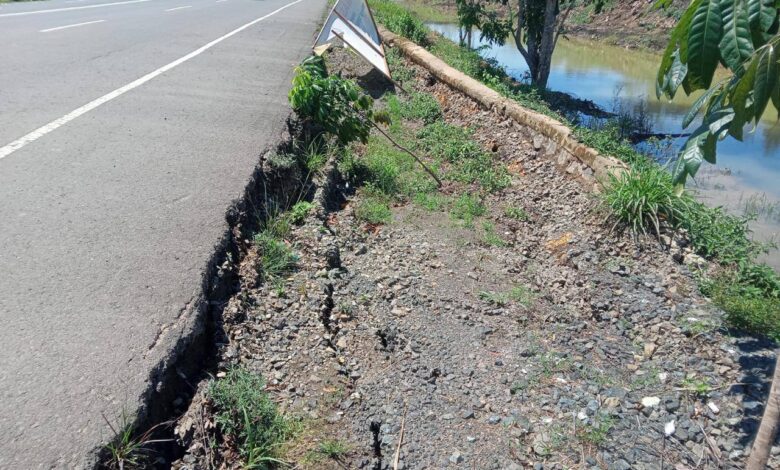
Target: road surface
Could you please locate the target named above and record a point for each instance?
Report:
(127, 127)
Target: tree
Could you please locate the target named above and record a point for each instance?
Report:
(742, 36)
(534, 25)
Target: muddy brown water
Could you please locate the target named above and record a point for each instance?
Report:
(745, 179)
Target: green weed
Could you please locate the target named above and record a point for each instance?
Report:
(747, 306)
(432, 202)
(300, 211)
(490, 237)
(399, 20)
(517, 213)
(248, 419)
(467, 208)
(373, 207)
(422, 106)
(522, 295)
(128, 450)
(276, 257)
(699, 387)
(641, 199)
(334, 449)
(596, 432)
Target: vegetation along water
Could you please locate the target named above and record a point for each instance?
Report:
(623, 80)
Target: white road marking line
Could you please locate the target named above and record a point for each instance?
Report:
(220, 1)
(70, 26)
(42, 131)
(178, 8)
(35, 12)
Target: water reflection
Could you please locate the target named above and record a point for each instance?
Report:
(746, 171)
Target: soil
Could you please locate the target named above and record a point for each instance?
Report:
(633, 23)
(400, 340)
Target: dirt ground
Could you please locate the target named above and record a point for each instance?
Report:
(422, 343)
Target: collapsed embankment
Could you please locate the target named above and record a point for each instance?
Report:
(498, 323)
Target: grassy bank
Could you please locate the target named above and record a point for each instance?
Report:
(644, 200)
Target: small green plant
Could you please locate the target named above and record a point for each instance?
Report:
(522, 295)
(276, 257)
(422, 106)
(336, 104)
(751, 305)
(466, 208)
(431, 202)
(248, 419)
(399, 20)
(517, 213)
(128, 450)
(698, 387)
(333, 448)
(641, 199)
(300, 211)
(470, 163)
(490, 237)
(373, 207)
(596, 432)
(551, 363)
(499, 299)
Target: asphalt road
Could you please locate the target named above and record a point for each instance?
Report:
(113, 192)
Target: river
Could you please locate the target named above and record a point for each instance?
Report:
(746, 176)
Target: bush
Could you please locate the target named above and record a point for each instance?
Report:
(247, 418)
(330, 101)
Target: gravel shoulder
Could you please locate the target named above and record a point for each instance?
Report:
(544, 341)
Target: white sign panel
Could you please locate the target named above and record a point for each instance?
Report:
(352, 22)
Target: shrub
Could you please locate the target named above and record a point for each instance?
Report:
(334, 103)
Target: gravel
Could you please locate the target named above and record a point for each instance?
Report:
(587, 374)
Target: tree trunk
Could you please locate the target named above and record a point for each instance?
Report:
(765, 437)
(547, 47)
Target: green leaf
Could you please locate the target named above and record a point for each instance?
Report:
(720, 121)
(677, 45)
(677, 72)
(699, 146)
(697, 105)
(739, 98)
(735, 46)
(766, 79)
(762, 14)
(703, 53)
(776, 99)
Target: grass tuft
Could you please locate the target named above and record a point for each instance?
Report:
(640, 199)
(373, 207)
(248, 419)
(276, 256)
(467, 208)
